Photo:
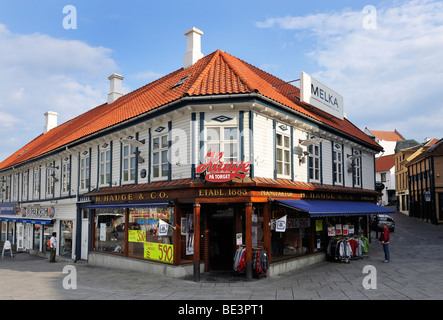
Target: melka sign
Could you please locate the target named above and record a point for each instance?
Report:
(320, 96)
(218, 171)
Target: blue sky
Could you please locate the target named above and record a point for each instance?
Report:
(390, 73)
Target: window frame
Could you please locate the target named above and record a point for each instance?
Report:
(285, 150)
(314, 159)
(159, 151)
(128, 175)
(221, 141)
(104, 167)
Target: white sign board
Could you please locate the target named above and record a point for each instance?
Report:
(320, 96)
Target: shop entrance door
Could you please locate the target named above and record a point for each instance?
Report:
(221, 237)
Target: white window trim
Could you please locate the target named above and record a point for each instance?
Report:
(36, 184)
(312, 157)
(284, 149)
(85, 166)
(131, 149)
(66, 177)
(222, 141)
(338, 165)
(103, 167)
(159, 150)
(357, 169)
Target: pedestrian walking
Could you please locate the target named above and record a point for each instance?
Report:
(53, 247)
(384, 238)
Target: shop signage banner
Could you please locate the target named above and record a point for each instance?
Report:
(320, 96)
(8, 208)
(218, 171)
(159, 252)
(281, 224)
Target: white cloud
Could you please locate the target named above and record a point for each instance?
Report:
(41, 73)
(391, 77)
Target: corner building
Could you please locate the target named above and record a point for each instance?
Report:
(174, 177)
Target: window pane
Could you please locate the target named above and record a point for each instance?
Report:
(213, 148)
(164, 170)
(279, 154)
(213, 134)
(156, 143)
(164, 141)
(156, 171)
(287, 156)
(286, 142)
(279, 140)
(156, 158)
(230, 134)
(164, 156)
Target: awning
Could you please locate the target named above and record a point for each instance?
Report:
(129, 205)
(27, 220)
(317, 208)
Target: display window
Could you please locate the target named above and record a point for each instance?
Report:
(3, 231)
(37, 236)
(48, 230)
(295, 239)
(150, 233)
(110, 230)
(66, 238)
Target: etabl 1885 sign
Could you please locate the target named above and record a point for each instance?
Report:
(320, 96)
(218, 171)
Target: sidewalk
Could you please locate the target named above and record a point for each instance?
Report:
(414, 273)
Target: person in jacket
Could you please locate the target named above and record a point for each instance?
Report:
(384, 238)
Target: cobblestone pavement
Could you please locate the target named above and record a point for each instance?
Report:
(414, 273)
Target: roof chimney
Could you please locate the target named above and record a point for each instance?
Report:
(115, 91)
(193, 47)
(51, 121)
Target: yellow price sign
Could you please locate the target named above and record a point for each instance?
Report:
(137, 236)
(159, 252)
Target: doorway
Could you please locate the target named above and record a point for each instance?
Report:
(221, 237)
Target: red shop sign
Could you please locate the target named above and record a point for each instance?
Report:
(217, 171)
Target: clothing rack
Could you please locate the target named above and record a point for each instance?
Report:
(347, 248)
(260, 261)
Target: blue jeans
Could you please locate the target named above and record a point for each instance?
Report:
(386, 250)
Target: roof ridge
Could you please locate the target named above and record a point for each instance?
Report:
(203, 73)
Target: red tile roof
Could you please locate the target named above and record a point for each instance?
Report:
(387, 135)
(384, 163)
(215, 74)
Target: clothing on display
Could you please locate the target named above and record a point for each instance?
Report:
(344, 249)
(260, 261)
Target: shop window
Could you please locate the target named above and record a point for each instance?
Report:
(314, 163)
(37, 236)
(47, 234)
(295, 240)
(129, 163)
(11, 229)
(65, 238)
(3, 231)
(160, 157)
(105, 167)
(283, 152)
(110, 230)
(150, 233)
